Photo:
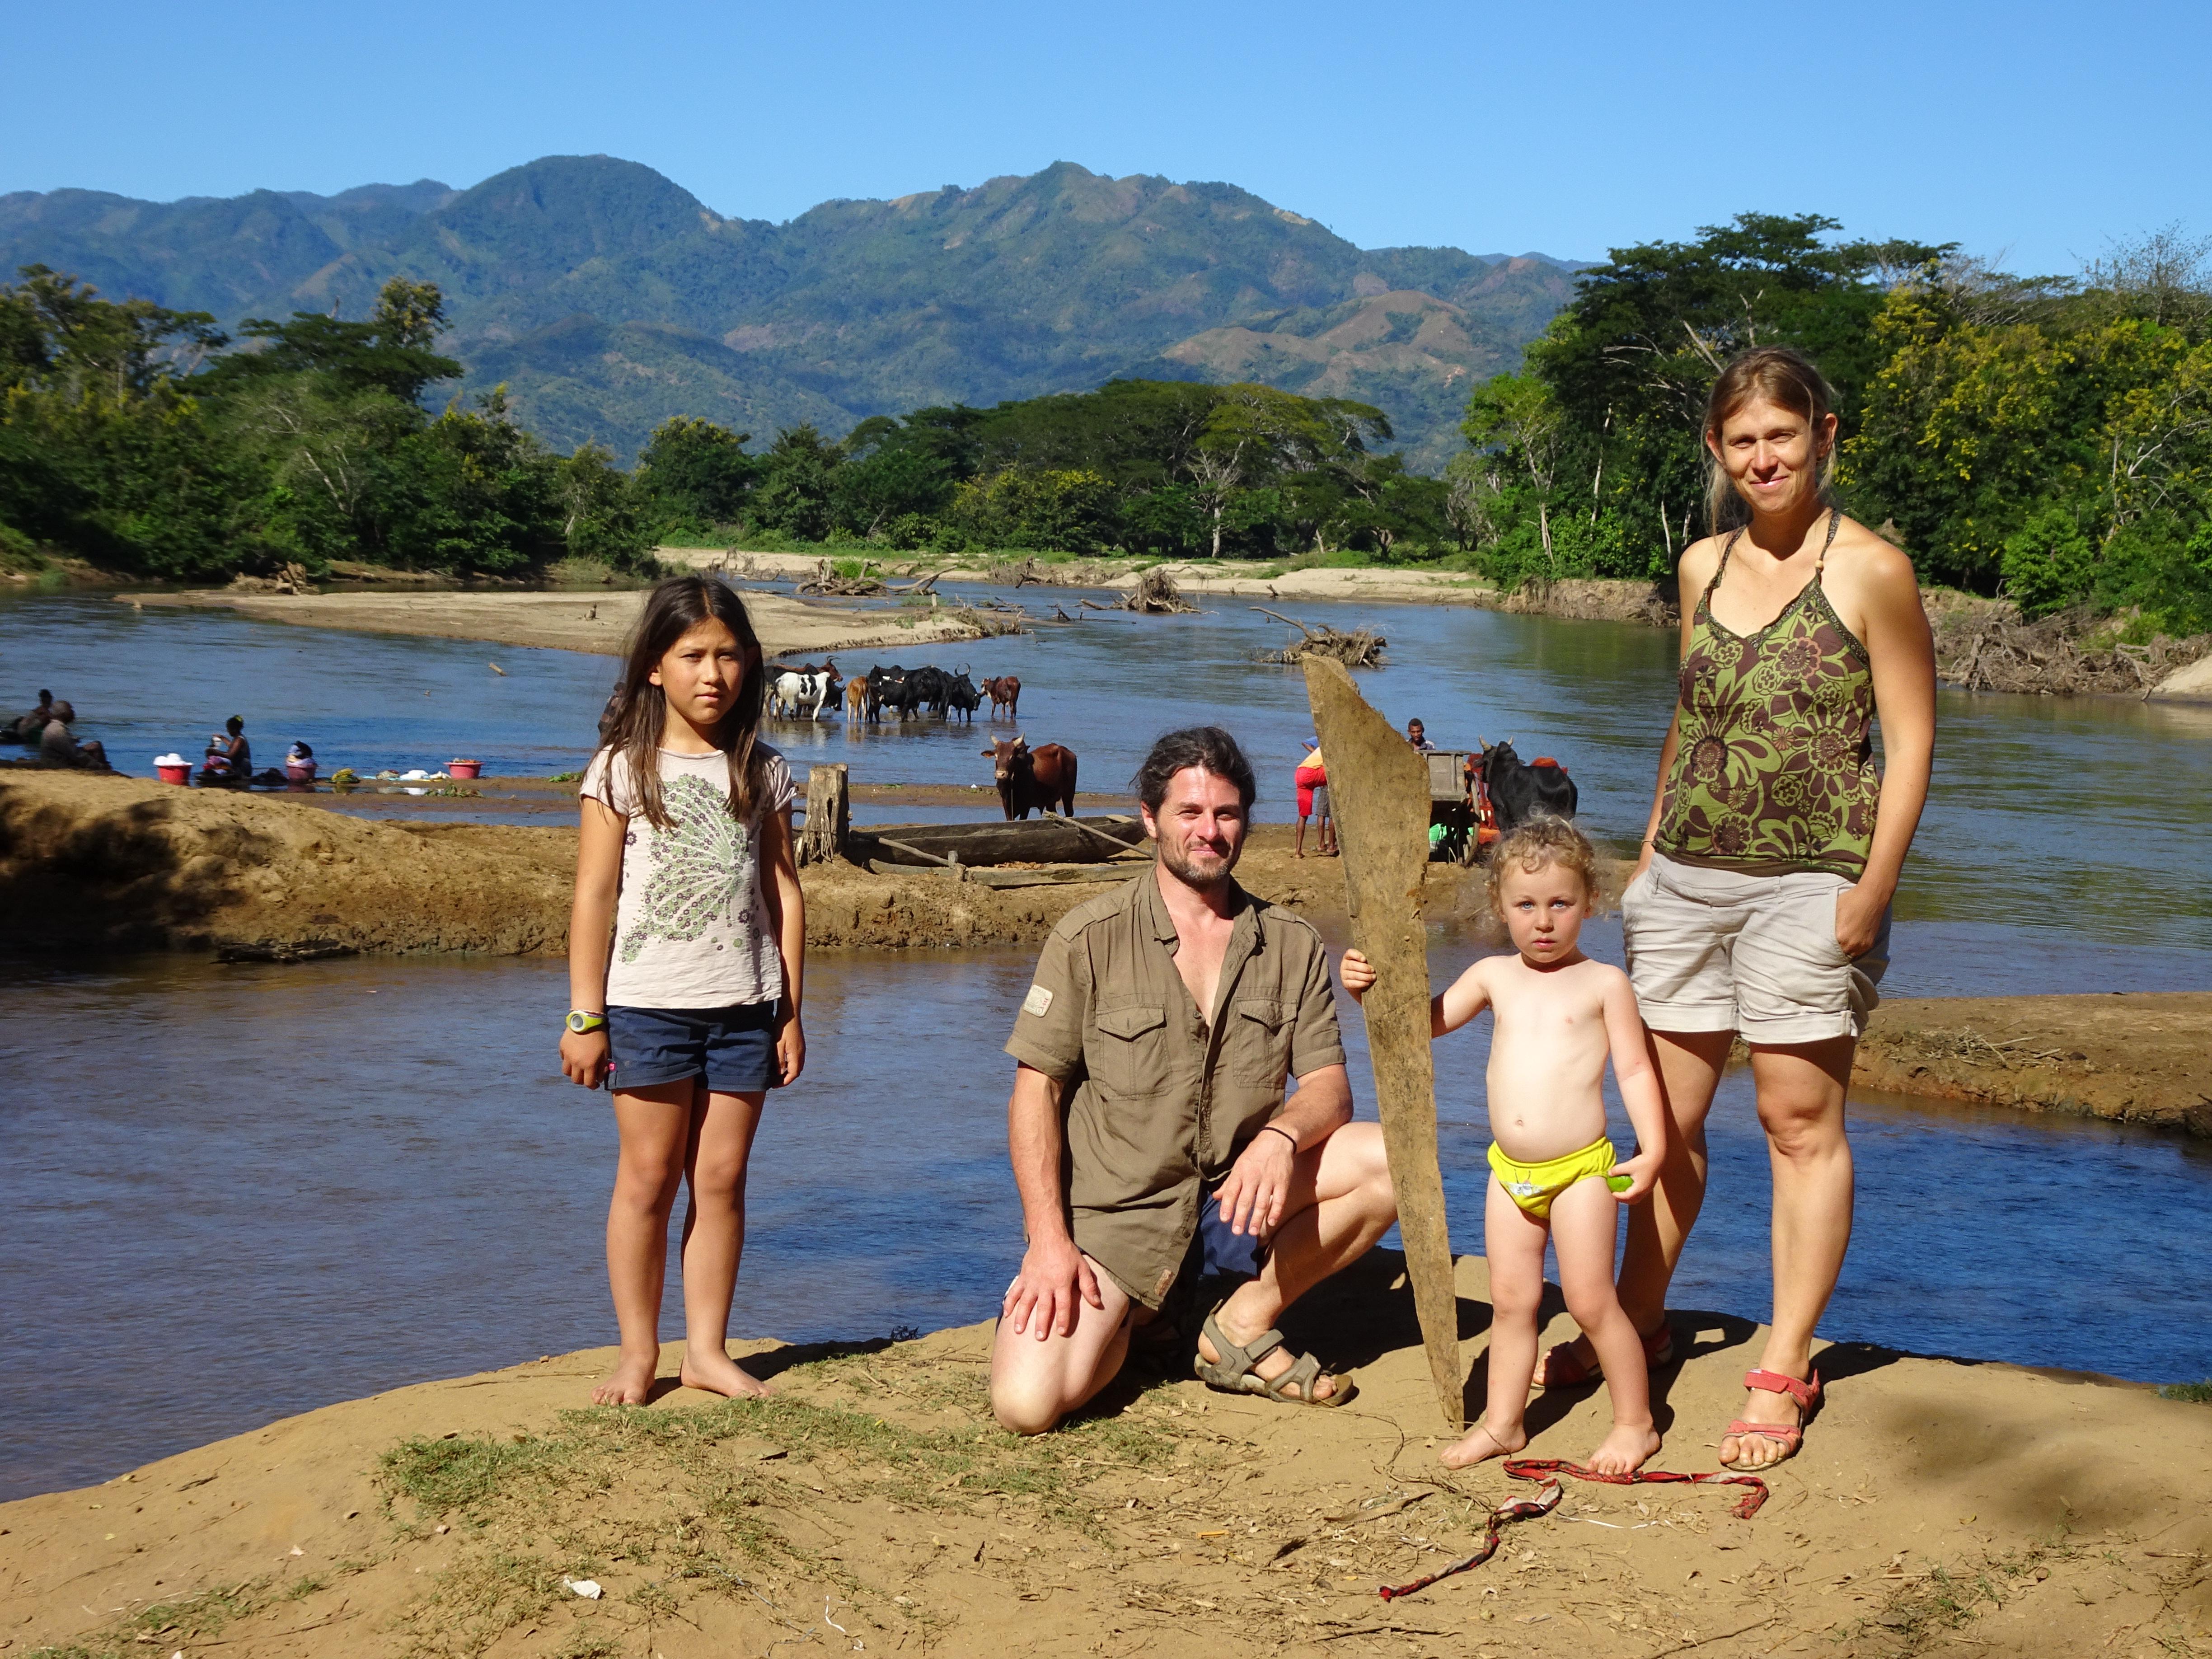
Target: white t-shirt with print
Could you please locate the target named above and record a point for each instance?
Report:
(691, 925)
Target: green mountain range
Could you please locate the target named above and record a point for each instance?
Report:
(608, 298)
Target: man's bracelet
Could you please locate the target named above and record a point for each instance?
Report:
(1285, 1134)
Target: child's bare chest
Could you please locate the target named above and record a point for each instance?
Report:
(1553, 1010)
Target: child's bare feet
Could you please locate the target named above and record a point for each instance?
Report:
(1625, 1450)
(630, 1382)
(1481, 1443)
(712, 1369)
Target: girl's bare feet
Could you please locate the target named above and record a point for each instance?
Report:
(712, 1369)
(1481, 1443)
(1625, 1450)
(630, 1382)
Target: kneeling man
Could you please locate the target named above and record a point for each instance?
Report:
(1149, 1131)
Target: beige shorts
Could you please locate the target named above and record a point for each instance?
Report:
(1718, 951)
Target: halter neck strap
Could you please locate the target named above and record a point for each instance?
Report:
(1819, 564)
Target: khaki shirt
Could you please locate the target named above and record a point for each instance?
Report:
(1159, 1102)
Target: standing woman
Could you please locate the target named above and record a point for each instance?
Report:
(1760, 903)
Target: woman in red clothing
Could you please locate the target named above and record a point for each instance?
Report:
(1312, 779)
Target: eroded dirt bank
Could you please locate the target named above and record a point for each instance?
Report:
(2141, 1057)
(93, 863)
(873, 1506)
(101, 863)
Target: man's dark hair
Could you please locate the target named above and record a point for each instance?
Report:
(1208, 748)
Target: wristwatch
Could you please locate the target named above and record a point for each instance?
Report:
(581, 1020)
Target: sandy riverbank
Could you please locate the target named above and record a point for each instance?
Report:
(104, 864)
(872, 1506)
(1618, 601)
(574, 621)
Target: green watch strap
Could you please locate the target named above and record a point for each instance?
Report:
(581, 1020)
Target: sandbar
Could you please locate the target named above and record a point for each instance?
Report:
(873, 1506)
(788, 627)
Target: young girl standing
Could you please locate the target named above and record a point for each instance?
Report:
(686, 951)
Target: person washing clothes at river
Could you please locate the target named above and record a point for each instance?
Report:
(686, 965)
(229, 757)
(1151, 1142)
(30, 727)
(1760, 903)
(58, 746)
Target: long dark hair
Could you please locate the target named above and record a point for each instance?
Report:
(639, 714)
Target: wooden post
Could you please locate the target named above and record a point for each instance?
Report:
(829, 814)
(1378, 788)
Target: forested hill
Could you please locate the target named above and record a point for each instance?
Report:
(609, 298)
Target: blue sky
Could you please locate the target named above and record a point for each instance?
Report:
(2035, 132)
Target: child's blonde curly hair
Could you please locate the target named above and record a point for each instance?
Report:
(1543, 840)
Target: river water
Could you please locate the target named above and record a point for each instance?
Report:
(239, 1192)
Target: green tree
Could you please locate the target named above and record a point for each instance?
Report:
(696, 475)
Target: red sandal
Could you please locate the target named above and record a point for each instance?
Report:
(1563, 1368)
(1791, 1435)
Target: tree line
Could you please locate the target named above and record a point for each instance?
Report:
(2046, 438)
(146, 439)
(130, 437)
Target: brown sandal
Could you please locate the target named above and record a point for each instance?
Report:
(1233, 1374)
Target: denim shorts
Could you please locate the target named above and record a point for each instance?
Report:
(733, 1049)
(1216, 1251)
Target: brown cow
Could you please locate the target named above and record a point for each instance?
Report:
(1005, 691)
(1037, 778)
(856, 697)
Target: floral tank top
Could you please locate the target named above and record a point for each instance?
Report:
(1774, 769)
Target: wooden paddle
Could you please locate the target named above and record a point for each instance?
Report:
(1378, 788)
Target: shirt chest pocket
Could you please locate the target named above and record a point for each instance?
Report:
(1260, 1041)
(1129, 1052)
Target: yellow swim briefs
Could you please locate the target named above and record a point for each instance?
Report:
(1534, 1186)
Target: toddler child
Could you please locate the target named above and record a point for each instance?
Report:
(1558, 1015)
(686, 949)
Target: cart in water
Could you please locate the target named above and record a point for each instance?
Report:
(1461, 826)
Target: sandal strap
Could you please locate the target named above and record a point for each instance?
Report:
(1303, 1372)
(1238, 1359)
(1768, 1381)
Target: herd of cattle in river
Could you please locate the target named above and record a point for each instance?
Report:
(1029, 780)
(896, 693)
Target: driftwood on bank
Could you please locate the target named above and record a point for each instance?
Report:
(1989, 649)
(827, 583)
(1156, 595)
(1017, 841)
(1380, 788)
(1361, 649)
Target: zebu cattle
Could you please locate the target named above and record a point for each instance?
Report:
(1519, 789)
(930, 686)
(1027, 777)
(1005, 691)
(961, 697)
(795, 690)
(856, 698)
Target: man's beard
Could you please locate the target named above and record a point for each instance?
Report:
(1201, 877)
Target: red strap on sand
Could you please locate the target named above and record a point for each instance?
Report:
(1546, 1471)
